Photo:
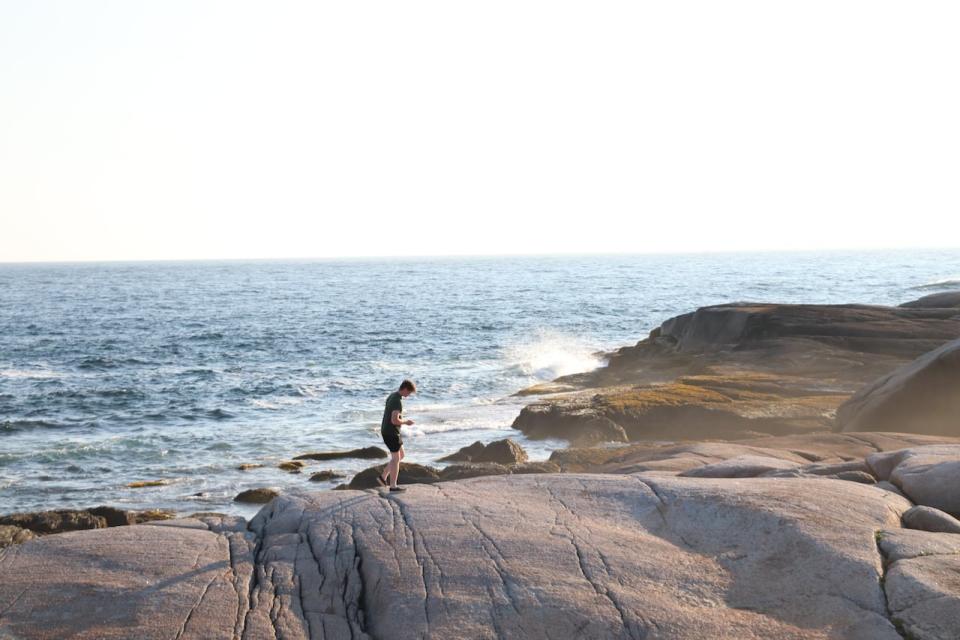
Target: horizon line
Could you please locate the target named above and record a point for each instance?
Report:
(546, 254)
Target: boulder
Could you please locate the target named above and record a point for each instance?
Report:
(291, 466)
(899, 544)
(366, 453)
(11, 534)
(325, 475)
(930, 519)
(410, 473)
(927, 475)
(465, 454)
(260, 495)
(504, 451)
(746, 466)
(920, 397)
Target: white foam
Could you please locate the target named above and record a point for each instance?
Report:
(551, 354)
(943, 283)
(27, 373)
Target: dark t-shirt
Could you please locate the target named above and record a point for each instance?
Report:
(394, 401)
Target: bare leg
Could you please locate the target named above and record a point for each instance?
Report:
(393, 467)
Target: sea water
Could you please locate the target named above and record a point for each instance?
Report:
(112, 373)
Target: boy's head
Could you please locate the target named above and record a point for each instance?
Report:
(407, 387)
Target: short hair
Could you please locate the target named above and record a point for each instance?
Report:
(408, 384)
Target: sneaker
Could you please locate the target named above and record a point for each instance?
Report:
(398, 488)
(382, 481)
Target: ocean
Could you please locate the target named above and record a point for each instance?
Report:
(112, 373)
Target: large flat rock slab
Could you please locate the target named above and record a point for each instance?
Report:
(577, 556)
(179, 580)
(522, 556)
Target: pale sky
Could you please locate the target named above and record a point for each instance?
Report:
(202, 129)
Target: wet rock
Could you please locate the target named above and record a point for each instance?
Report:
(578, 425)
(930, 519)
(246, 466)
(260, 495)
(293, 466)
(325, 475)
(504, 451)
(920, 397)
(368, 453)
(114, 517)
(57, 521)
(472, 470)
(544, 466)
(11, 534)
(153, 515)
(410, 473)
(465, 454)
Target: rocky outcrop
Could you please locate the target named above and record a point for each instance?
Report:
(515, 556)
(943, 300)
(820, 454)
(504, 451)
(738, 370)
(365, 453)
(921, 397)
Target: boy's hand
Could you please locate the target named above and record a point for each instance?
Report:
(408, 422)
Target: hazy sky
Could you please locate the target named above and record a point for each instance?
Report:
(201, 129)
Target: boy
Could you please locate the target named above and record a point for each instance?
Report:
(390, 430)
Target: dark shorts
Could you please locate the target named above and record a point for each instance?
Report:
(392, 440)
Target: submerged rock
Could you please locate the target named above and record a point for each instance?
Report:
(257, 496)
(57, 521)
(246, 466)
(368, 453)
(325, 475)
(12, 534)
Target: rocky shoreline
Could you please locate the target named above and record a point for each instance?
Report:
(747, 471)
